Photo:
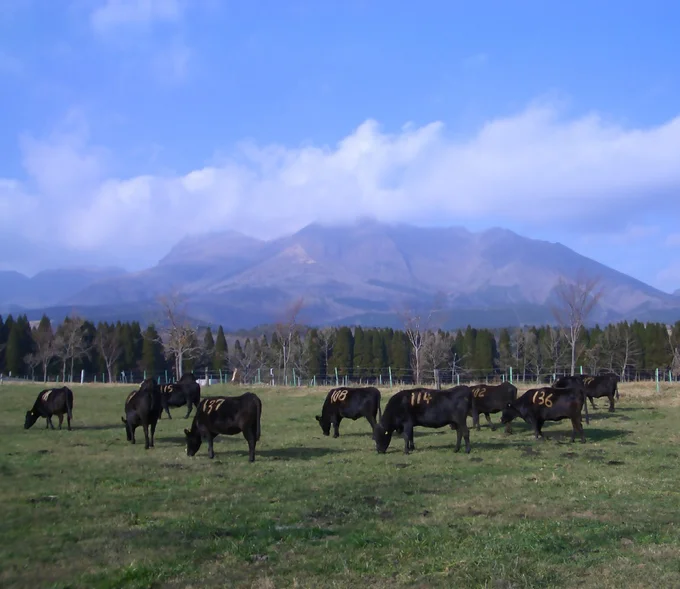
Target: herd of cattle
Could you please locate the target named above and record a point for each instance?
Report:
(432, 408)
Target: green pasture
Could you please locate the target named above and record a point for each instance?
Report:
(87, 509)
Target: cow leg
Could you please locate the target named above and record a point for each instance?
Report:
(336, 426)
(211, 451)
(508, 428)
(592, 402)
(373, 422)
(153, 432)
(577, 427)
(537, 428)
(61, 419)
(145, 425)
(611, 403)
(462, 432)
(49, 421)
(475, 419)
(408, 438)
(132, 434)
(68, 420)
(190, 406)
(250, 435)
(488, 420)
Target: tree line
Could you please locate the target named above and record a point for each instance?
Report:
(288, 353)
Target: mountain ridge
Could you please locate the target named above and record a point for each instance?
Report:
(364, 271)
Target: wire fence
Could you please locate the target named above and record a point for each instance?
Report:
(351, 376)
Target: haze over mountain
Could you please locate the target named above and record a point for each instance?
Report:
(360, 273)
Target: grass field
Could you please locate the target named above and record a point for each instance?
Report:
(87, 509)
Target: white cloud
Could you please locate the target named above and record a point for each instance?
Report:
(115, 13)
(535, 167)
(628, 234)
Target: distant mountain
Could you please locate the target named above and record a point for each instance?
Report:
(365, 273)
(49, 287)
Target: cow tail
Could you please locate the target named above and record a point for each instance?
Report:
(259, 416)
(69, 403)
(616, 387)
(379, 410)
(585, 404)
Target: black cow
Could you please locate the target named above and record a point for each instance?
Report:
(349, 402)
(56, 401)
(491, 399)
(427, 408)
(142, 407)
(225, 415)
(186, 391)
(537, 406)
(605, 385)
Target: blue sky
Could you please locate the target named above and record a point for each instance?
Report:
(127, 124)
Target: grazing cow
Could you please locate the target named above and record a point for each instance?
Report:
(225, 415)
(537, 406)
(427, 408)
(491, 399)
(142, 407)
(352, 403)
(57, 401)
(186, 391)
(605, 385)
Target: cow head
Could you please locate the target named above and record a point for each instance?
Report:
(193, 441)
(31, 418)
(382, 437)
(325, 425)
(509, 413)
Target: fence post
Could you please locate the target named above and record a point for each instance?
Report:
(82, 376)
(457, 378)
(390, 370)
(336, 377)
(581, 369)
(259, 379)
(657, 380)
(166, 377)
(510, 374)
(103, 377)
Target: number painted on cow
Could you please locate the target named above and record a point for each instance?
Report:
(46, 396)
(420, 397)
(588, 379)
(339, 396)
(167, 388)
(479, 392)
(132, 394)
(540, 398)
(211, 405)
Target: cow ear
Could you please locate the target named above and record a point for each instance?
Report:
(187, 432)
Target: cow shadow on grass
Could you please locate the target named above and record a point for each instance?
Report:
(285, 454)
(98, 428)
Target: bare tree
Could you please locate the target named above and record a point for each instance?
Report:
(33, 361)
(326, 343)
(178, 336)
(285, 332)
(45, 348)
(629, 349)
(109, 345)
(436, 351)
(70, 343)
(552, 347)
(576, 300)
